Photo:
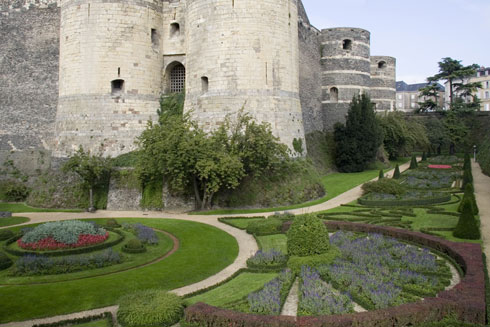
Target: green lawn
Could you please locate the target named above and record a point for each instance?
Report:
(335, 184)
(276, 242)
(204, 251)
(12, 221)
(241, 223)
(21, 207)
(234, 290)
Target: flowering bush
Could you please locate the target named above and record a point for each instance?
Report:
(267, 258)
(61, 235)
(380, 272)
(40, 265)
(319, 298)
(270, 299)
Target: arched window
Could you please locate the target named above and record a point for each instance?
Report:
(177, 78)
(117, 87)
(334, 95)
(204, 84)
(382, 64)
(347, 44)
(174, 29)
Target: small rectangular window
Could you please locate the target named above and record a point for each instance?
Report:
(487, 85)
(154, 37)
(487, 95)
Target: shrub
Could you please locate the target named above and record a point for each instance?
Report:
(150, 308)
(307, 236)
(470, 195)
(267, 259)
(112, 223)
(424, 157)
(384, 186)
(5, 261)
(5, 234)
(397, 174)
(134, 246)
(467, 228)
(145, 234)
(267, 226)
(381, 174)
(467, 177)
(413, 162)
(15, 191)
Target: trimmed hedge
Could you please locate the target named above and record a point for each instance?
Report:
(467, 227)
(69, 322)
(58, 253)
(134, 246)
(400, 203)
(466, 300)
(307, 236)
(5, 262)
(5, 234)
(269, 226)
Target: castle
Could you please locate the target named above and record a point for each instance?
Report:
(116, 57)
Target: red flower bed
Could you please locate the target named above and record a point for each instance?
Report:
(50, 243)
(440, 166)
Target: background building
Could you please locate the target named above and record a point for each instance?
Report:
(408, 96)
(483, 76)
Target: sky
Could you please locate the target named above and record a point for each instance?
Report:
(418, 33)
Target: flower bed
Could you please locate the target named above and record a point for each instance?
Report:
(466, 300)
(440, 166)
(271, 259)
(413, 198)
(62, 235)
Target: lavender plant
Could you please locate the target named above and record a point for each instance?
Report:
(145, 234)
(269, 300)
(267, 258)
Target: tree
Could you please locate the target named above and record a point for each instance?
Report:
(92, 169)
(454, 73)
(437, 135)
(430, 94)
(357, 141)
(456, 130)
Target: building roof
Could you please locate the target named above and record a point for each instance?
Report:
(401, 86)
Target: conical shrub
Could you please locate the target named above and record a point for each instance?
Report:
(381, 174)
(413, 162)
(469, 194)
(397, 174)
(467, 162)
(424, 156)
(467, 228)
(467, 178)
(429, 154)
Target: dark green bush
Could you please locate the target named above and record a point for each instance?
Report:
(307, 236)
(467, 227)
(424, 156)
(5, 261)
(397, 174)
(14, 191)
(5, 234)
(467, 177)
(381, 174)
(413, 163)
(267, 226)
(470, 195)
(150, 308)
(112, 223)
(134, 246)
(385, 186)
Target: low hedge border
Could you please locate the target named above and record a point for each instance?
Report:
(426, 201)
(466, 300)
(83, 250)
(133, 251)
(76, 321)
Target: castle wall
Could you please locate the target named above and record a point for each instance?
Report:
(29, 38)
(346, 69)
(310, 75)
(383, 82)
(237, 58)
(103, 43)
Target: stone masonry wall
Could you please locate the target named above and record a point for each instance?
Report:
(383, 82)
(29, 47)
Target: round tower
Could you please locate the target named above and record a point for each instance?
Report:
(346, 70)
(383, 82)
(244, 54)
(110, 74)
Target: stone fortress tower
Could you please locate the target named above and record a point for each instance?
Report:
(116, 57)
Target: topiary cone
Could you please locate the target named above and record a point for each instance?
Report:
(381, 174)
(397, 174)
(413, 163)
(307, 236)
(469, 194)
(424, 156)
(467, 227)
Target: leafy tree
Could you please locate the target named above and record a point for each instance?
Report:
(454, 73)
(430, 94)
(456, 130)
(92, 169)
(357, 141)
(171, 105)
(437, 135)
(402, 135)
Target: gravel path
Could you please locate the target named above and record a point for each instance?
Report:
(290, 307)
(481, 183)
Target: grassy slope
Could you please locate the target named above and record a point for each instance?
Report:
(276, 242)
(204, 251)
(21, 207)
(12, 221)
(234, 290)
(335, 184)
